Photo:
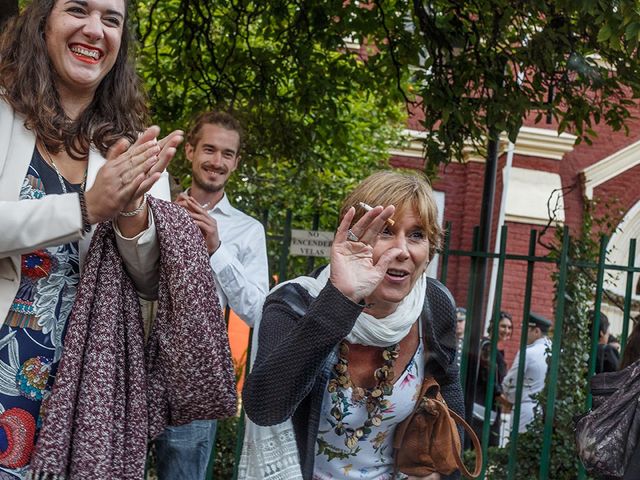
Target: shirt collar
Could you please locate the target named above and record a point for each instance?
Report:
(224, 206)
(543, 339)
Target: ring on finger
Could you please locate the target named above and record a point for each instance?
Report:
(352, 237)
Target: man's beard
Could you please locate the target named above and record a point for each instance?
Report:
(206, 186)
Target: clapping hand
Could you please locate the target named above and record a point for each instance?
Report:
(353, 270)
(130, 172)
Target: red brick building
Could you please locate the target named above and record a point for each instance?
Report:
(546, 169)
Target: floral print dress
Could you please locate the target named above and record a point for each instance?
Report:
(33, 330)
(372, 457)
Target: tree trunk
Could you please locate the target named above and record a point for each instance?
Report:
(8, 8)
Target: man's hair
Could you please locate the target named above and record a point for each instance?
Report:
(604, 322)
(404, 190)
(117, 110)
(214, 117)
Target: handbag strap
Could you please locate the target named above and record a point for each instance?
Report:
(456, 440)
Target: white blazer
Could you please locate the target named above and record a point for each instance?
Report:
(28, 225)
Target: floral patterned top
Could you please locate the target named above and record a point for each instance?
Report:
(372, 457)
(33, 330)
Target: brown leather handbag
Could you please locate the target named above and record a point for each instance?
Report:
(427, 441)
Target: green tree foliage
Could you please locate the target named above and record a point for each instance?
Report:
(485, 65)
(474, 67)
(318, 117)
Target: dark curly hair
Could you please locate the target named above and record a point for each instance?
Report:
(118, 108)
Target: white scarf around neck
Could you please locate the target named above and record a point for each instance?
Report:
(369, 330)
(270, 453)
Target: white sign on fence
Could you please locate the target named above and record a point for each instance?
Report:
(311, 243)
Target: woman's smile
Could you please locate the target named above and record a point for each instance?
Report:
(83, 40)
(85, 53)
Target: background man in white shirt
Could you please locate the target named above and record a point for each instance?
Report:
(237, 246)
(535, 370)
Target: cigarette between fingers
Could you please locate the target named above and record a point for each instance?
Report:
(369, 208)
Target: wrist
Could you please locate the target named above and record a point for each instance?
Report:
(92, 216)
(134, 211)
(84, 213)
(348, 292)
(215, 248)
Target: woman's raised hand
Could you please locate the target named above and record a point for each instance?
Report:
(353, 270)
(130, 172)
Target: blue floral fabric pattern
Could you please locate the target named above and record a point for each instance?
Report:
(33, 330)
(372, 456)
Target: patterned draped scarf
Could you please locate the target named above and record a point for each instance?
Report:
(113, 393)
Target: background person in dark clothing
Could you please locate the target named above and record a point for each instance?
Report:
(607, 356)
(632, 348)
(505, 326)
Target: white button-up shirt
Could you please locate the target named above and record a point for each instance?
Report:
(240, 265)
(535, 371)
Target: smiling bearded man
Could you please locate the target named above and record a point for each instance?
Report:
(238, 258)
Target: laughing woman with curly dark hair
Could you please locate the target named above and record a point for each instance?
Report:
(71, 156)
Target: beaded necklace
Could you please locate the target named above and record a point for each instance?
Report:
(374, 396)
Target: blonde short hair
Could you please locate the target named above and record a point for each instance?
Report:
(407, 192)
